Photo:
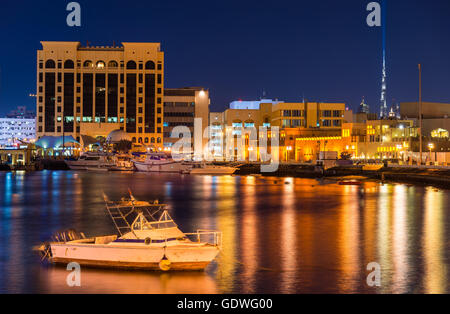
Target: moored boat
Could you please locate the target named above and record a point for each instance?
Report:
(91, 160)
(160, 162)
(143, 242)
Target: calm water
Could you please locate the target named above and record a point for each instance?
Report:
(280, 235)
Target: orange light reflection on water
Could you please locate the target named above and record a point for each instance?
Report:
(434, 246)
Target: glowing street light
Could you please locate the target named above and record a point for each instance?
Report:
(430, 146)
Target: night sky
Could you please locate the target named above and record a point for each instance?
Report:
(323, 49)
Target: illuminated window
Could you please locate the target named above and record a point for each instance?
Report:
(439, 133)
(345, 133)
(100, 65)
(286, 123)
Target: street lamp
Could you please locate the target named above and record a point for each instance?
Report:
(430, 146)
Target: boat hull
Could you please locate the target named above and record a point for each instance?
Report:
(177, 266)
(77, 165)
(174, 167)
(119, 168)
(133, 257)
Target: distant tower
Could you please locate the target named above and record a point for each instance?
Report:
(383, 105)
(264, 94)
(392, 114)
(363, 107)
(397, 110)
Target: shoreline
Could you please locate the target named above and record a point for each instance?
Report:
(413, 175)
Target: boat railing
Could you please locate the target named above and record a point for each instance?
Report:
(212, 237)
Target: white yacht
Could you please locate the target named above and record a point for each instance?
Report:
(160, 162)
(91, 160)
(144, 242)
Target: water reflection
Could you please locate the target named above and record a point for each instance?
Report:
(400, 241)
(285, 235)
(108, 281)
(434, 243)
(249, 237)
(226, 202)
(348, 238)
(288, 238)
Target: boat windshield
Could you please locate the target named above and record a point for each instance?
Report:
(164, 222)
(161, 225)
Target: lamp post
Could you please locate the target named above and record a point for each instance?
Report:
(430, 146)
(420, 112)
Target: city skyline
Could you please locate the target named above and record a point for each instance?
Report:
(243, 52)
(244, 151)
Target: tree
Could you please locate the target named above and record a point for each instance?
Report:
(123, 146)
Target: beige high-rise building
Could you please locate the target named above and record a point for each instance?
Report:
(181, 107)
(94, 90)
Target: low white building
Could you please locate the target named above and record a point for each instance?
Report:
(14, 130)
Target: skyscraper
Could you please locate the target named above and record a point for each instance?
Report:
(363, 107)
(383, 104)
(94, 90)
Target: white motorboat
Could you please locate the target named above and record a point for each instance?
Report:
(144, 242)
(91, 160)
(207, 169)
(160, 162)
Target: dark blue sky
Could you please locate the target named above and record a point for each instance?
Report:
(322, 49)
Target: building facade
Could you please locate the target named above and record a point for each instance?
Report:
(94, 90)
(293, 120)
(181, 107)
(435, 118)
(19, 126)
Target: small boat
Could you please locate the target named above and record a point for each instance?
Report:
(201, 168)
(160, 162)
(91, 160)
(143, 242)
